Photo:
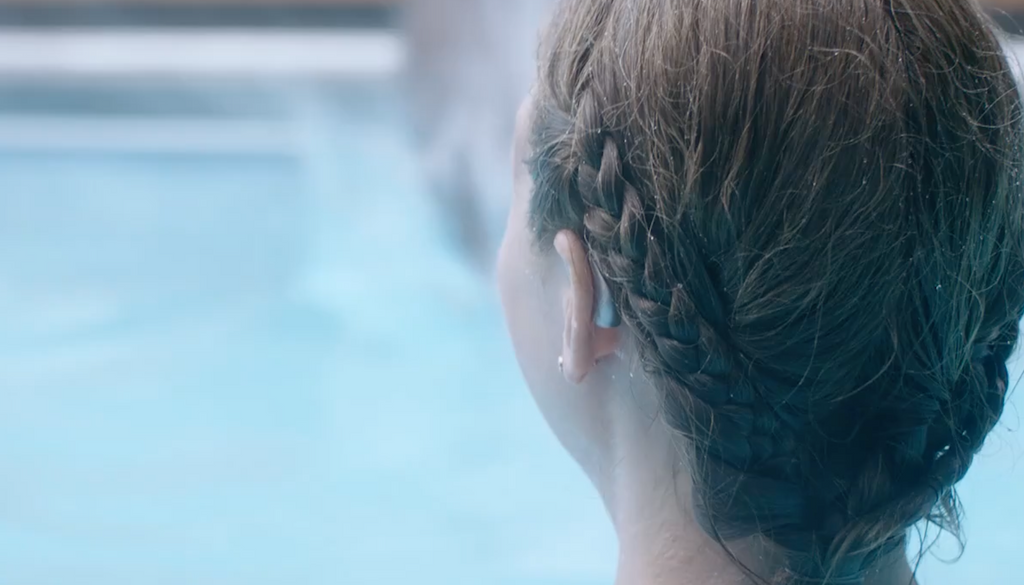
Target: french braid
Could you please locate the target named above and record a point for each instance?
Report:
(833, 475)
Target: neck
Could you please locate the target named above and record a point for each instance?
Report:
(647, 494)
(648, 497)
(662, 554)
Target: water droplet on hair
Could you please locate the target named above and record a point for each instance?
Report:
(938, 287)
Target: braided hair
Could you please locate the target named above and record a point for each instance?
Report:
(809, 214)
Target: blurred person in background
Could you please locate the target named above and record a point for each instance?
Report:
(469, 62)
(763, 272)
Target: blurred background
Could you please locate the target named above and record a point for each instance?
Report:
(248, 329)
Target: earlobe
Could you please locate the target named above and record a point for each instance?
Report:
(584, 341)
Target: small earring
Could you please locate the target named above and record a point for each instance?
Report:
(561, 364)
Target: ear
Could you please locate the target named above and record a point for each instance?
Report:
(583, 343)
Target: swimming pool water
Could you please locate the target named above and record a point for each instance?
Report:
(257, 366)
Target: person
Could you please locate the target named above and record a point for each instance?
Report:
(468, 64)
(763, 271)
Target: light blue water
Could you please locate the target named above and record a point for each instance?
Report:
(265, 369)
(249, 369)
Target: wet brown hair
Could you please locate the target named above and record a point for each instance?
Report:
(809, 213)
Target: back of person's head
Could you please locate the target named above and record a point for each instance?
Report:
(809, 214)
